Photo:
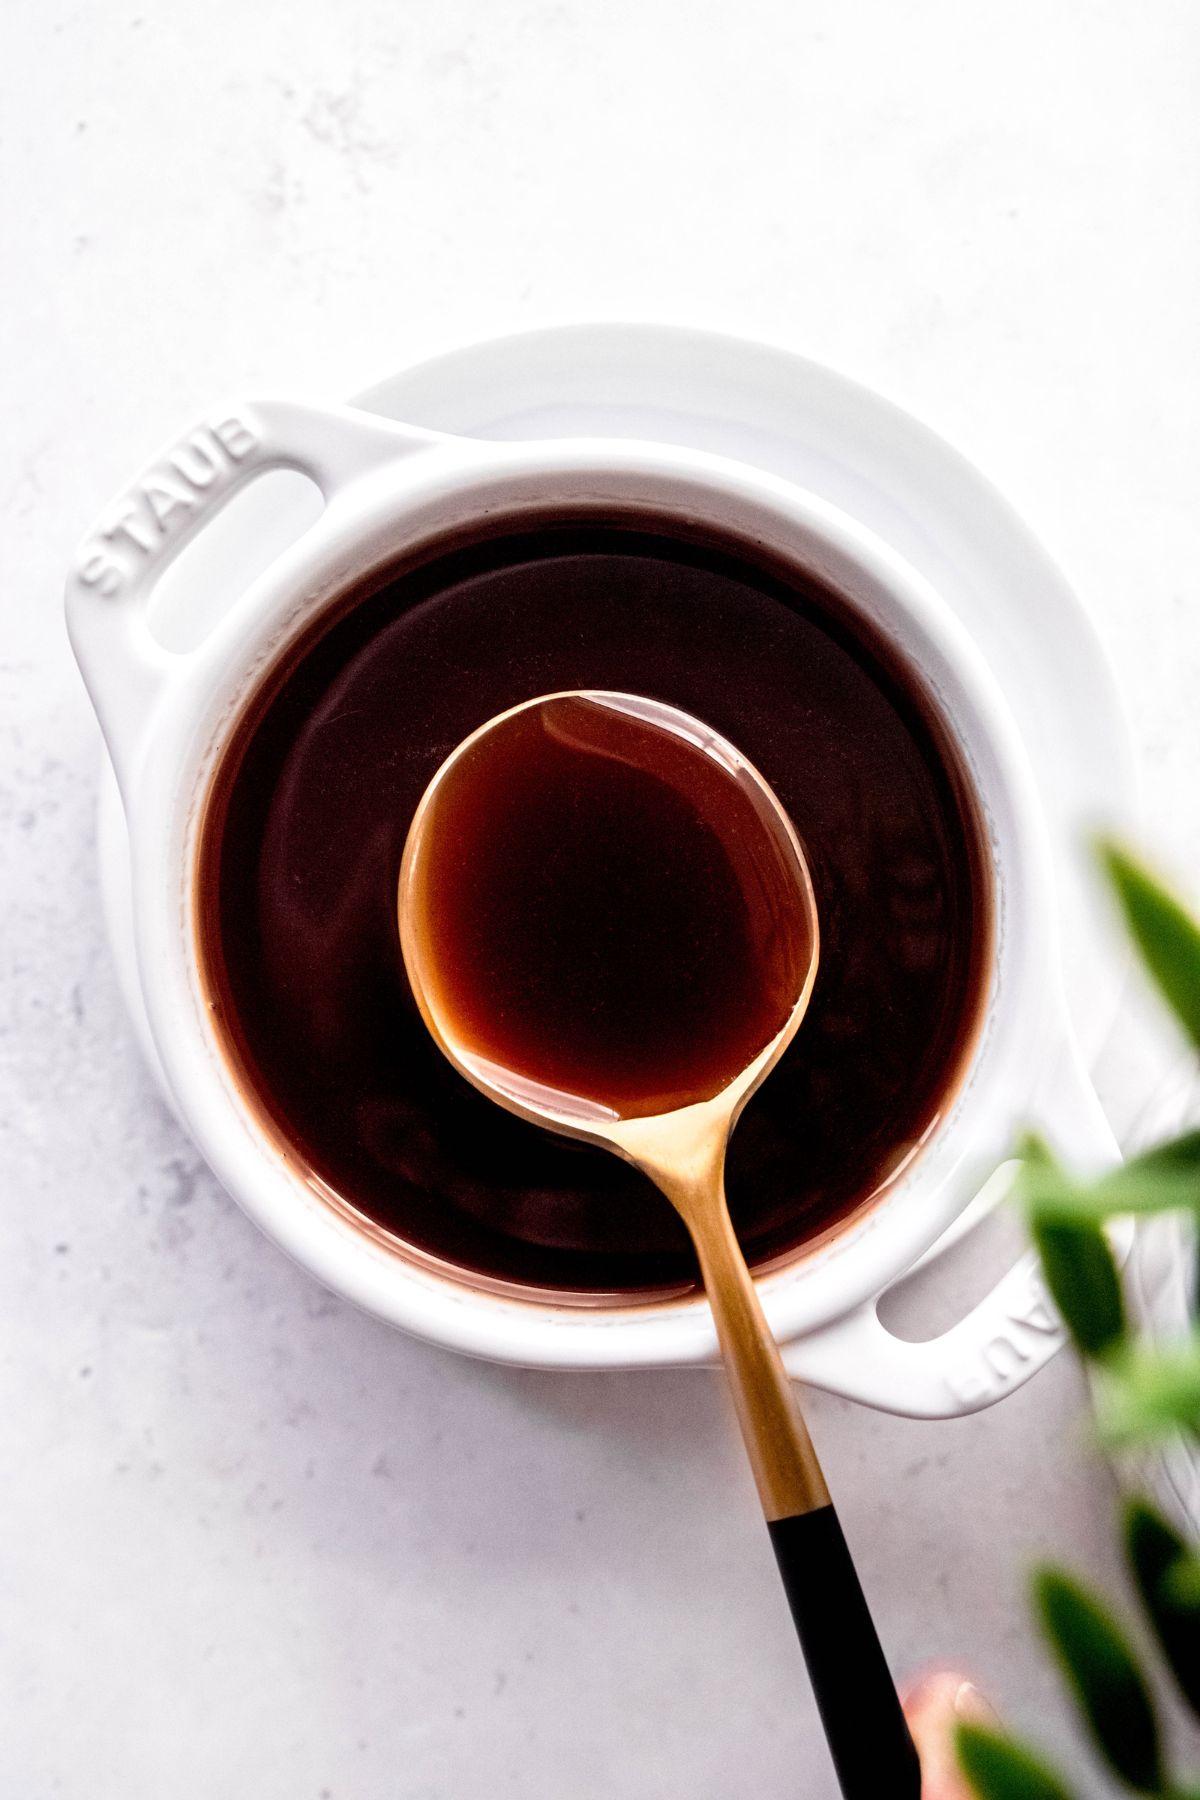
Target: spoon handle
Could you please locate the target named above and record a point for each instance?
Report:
(856, 1696)
(785, 1464)
(864, 1725)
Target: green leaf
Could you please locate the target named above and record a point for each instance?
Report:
(1149, 1394)
(1033, 1148)
(1043, 1185)
(1104, 1673)
(1166, 935)
(1077, 1262)
(1183, 1581)
(1082, 1276)
(999, 1768)
(1168, 1175)
(1155, 1550)
(1165, 1179)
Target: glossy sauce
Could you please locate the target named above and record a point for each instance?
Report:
(608, 915)
(304, 831)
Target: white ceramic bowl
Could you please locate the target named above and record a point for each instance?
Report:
(387, 489)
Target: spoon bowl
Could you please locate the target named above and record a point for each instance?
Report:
(593, 724)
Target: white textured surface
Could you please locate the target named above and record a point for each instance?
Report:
(252, 1543)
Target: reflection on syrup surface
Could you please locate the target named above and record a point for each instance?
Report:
(608, 913)
(302, 841)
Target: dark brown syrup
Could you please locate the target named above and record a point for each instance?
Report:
(607, 911)
(301, 846)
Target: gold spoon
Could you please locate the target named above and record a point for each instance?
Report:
(683, 1152)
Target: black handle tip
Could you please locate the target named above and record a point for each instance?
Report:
(868, 1737)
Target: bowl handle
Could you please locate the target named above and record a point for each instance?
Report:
(1012, 1332)
(175, 496)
